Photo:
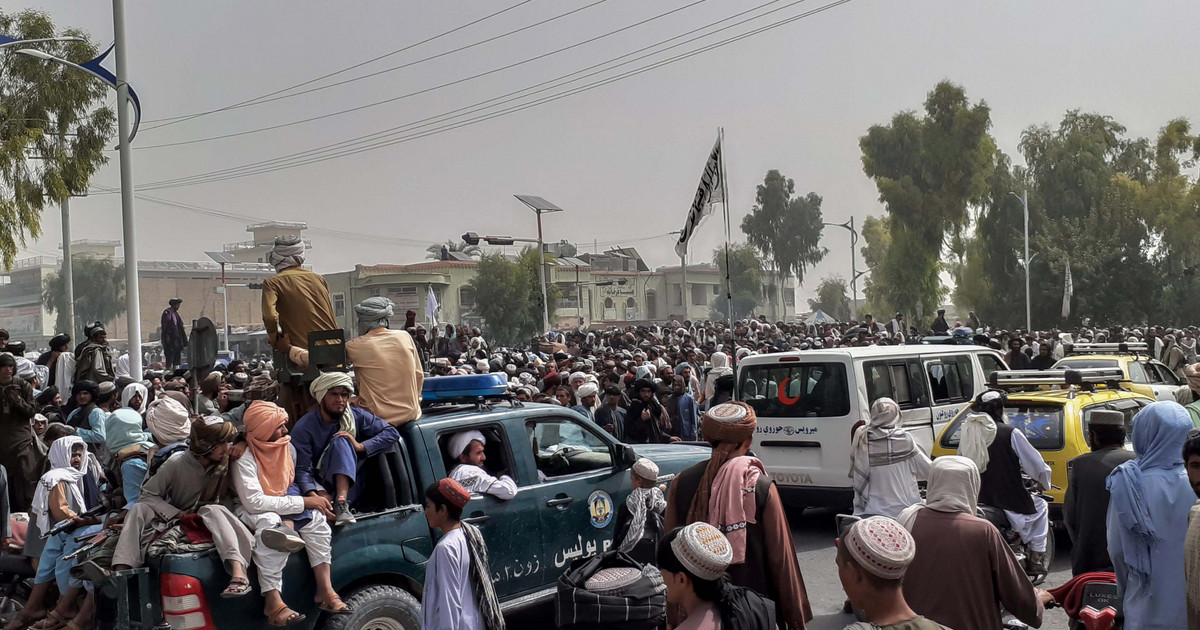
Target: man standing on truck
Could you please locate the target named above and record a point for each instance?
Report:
(196, 482)
(296, 301)
(332, 442)
(467, 448)
(386, 364)
(764, 557)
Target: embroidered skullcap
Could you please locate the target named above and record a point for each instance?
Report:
(106, 388)
(646, 469)
(612, 581)
(460, 441)
(729, 422)
(454, 492)
(881, 546)
(1107, 417)
(703, 550)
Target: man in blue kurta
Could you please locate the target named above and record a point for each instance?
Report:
(1148, 518)
(333, 440)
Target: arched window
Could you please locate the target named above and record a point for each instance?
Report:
(608, 302)
(651, 305)
(630, 303)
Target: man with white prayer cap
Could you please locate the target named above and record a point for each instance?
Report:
(872, 556)
(466, 449)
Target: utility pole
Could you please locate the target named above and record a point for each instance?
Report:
(68, 278)
(129, 235)
(1028, 309)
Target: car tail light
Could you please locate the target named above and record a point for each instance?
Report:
(183, 603)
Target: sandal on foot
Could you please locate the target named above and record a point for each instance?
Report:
(24, 622)
(283, 617)
(335, 606)
(238, 587)
(52, 621)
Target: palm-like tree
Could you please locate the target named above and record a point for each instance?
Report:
(434, 252)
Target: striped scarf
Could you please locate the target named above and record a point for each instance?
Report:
(481, 579)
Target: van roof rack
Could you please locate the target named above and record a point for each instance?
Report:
(1124, 347)
(1086, 378)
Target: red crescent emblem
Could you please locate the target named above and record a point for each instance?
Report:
(784, 398)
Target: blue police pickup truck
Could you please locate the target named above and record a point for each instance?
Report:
(571, 476)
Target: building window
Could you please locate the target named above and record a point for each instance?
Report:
(608, 302)
(651, 305)
(716, 289)
(698, 295)
(339, 305)
(676, 293)
(466, 298)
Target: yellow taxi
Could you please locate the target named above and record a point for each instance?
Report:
(1055, 420)
(1142, 374)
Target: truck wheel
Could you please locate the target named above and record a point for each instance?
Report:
(378, 607)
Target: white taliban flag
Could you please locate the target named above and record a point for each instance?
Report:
(1068, 292)
(431, 309)
(711, 191)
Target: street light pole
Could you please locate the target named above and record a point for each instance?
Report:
(68, 277)
(132, 295)
(849, 225)
(1028, 309)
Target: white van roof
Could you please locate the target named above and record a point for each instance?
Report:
(866, 352)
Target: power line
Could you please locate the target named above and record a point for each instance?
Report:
(310, 156)
(185, 117)
(426, 90)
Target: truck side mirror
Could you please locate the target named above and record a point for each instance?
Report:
(625, 456)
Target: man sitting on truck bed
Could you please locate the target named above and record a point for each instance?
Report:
(466, 447)
(332, 442)
(195, 482)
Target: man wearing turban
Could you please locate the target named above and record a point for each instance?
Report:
(295, 301)
(732, 492)
(196, 481)
(333, 441)
(386, 364)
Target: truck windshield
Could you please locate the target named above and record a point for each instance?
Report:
(795, 390)
(1041, 423)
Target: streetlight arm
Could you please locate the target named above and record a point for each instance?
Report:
(93, 68)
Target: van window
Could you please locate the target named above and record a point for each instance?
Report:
(1041, 423)
(988, 363)
(900, 380)
(1137, 373)
(950, 379)
(795, 390)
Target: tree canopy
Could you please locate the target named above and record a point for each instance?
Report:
(832, 298)
(53, 127)
(99, 293)
(785, 228)
(746, 278)
(508, 296)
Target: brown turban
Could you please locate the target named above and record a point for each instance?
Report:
(208, 433)
(726, 426)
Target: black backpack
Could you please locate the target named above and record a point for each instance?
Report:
(161, 456)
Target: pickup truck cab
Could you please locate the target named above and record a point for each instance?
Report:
(571, 476)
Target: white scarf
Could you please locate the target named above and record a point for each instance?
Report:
(978, 433)
(640, 502)
(60, 471)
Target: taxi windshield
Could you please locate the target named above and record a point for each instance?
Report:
(1084, 364)
(1040, 422)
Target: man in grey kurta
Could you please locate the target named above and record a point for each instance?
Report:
(195, 481)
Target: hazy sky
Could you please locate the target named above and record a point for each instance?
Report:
(623, 159)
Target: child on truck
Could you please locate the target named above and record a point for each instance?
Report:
(640, 518)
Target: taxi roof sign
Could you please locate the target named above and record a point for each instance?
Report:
(1124, 347)
(1005, 379)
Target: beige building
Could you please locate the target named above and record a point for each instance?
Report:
(613, 288)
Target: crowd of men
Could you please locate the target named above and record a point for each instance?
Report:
(261, 464)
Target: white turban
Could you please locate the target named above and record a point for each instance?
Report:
(168, 421)
(327, 381)
(460, 441)
(587, 389)
(288, 252)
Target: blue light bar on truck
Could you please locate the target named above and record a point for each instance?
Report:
(463, 388)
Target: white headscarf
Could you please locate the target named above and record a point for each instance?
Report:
(132, 390)
(978, 433)
(460, 441)
(953, 487)
(168, 421)
(288, 252)
(880, 442)
(60, 471)
(327, 381)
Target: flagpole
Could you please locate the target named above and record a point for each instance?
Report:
(728, 283)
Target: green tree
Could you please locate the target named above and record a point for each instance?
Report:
(832, 298)
(785, 228)
(746, 278)
(929, 169)
(99, 293)
(434, 252)
(508, 296)
(53, 127)
(877, 287)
